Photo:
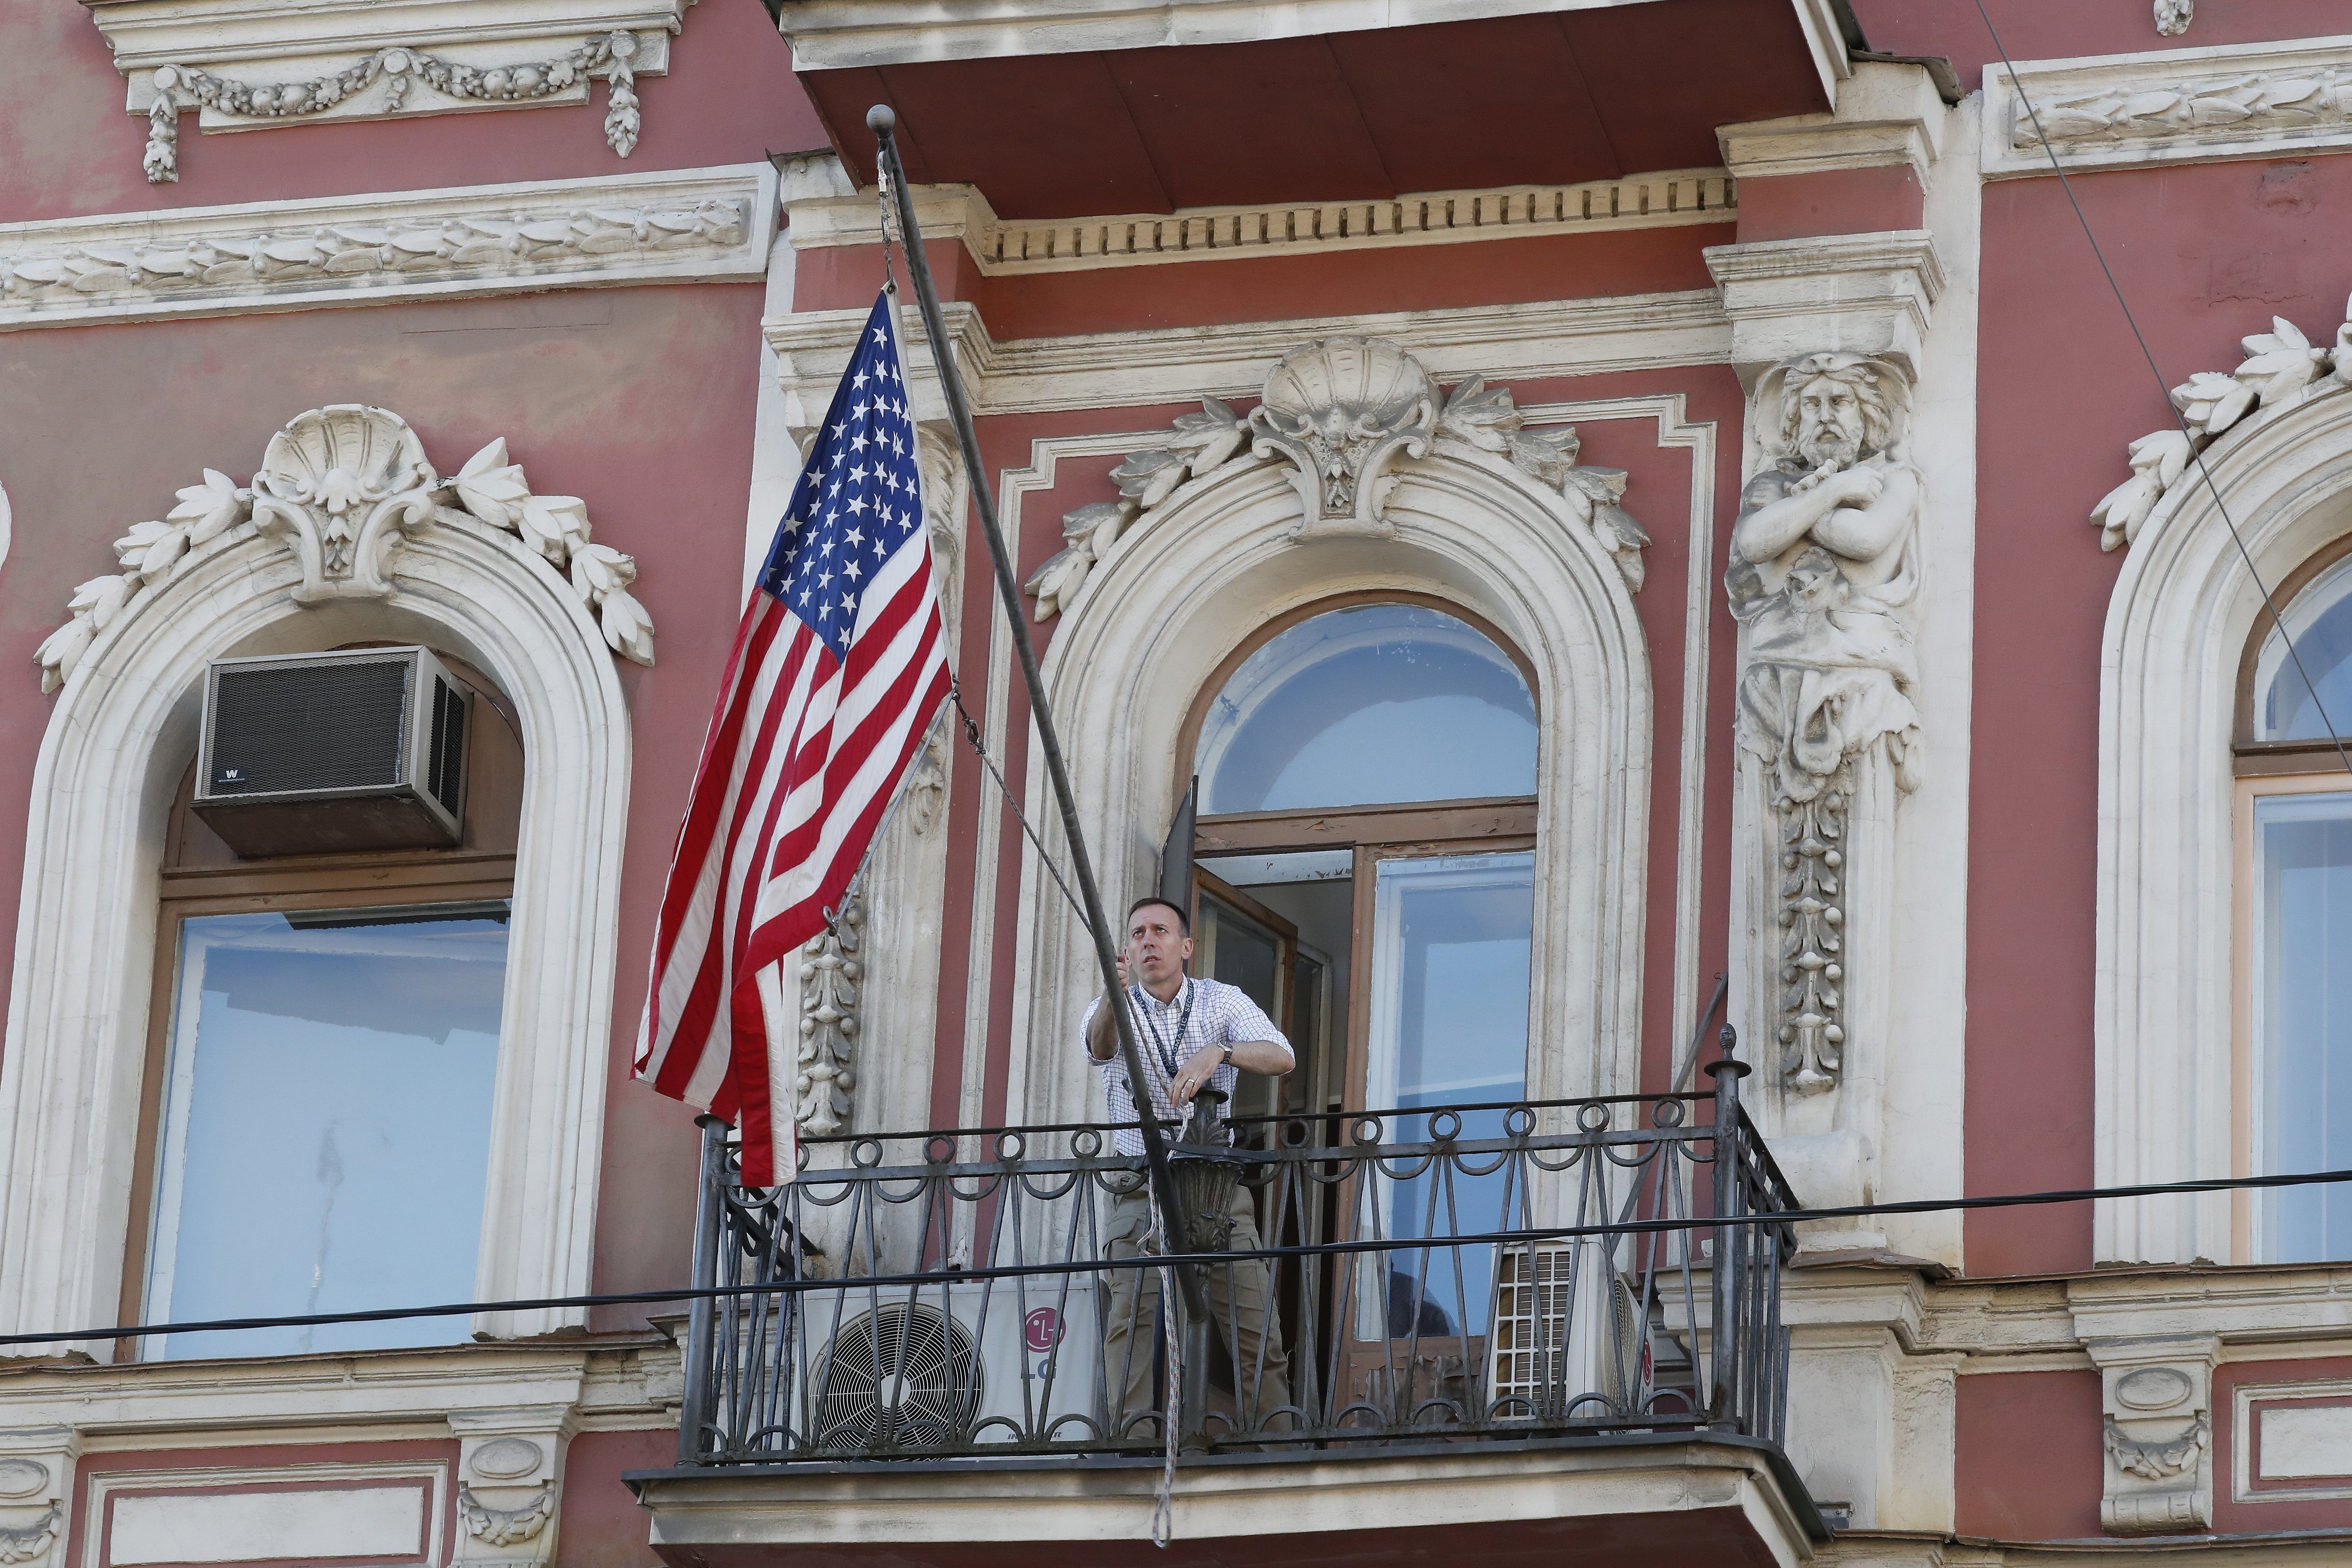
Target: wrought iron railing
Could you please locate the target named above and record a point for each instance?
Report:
(1496, 1271)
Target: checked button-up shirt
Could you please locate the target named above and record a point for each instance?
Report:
(1220, 1014)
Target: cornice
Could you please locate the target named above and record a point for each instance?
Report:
(1886, 114)
(693, 225)
(1006, 247)
(1868, 294)
(2171, 106)
(1182, 365)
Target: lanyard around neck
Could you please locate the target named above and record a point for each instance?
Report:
(1166, 1050)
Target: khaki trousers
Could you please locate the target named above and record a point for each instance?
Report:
(1240, 1302)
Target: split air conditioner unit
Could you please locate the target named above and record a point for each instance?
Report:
(1566, 1328)
(326, 753)
(969, 1365)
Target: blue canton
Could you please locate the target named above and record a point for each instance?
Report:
(857, 501)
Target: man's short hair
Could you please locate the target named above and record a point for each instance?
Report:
(1184, 916)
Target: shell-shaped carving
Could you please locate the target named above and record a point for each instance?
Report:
(342, 456)
(1370, 384)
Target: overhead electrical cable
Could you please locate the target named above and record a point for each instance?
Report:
(1109, 1265)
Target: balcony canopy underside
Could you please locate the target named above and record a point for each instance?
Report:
(1662, 1502)
(1148, 124)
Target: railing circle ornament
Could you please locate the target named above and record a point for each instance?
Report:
(940, 1150)
(1445, 1127)
(1086, 1144)
(1668, 1113)
(1591, 1117)
(1519, 1121)
(1365, 1130)
(1011, 1145)
(866, 1153)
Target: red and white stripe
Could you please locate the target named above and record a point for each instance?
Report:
(804, 758)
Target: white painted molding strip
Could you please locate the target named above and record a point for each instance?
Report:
(1182, 365)
(695, 226)
(1001, 247)
(2171, 106)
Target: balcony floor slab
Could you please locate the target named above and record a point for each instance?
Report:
(1662, 1502)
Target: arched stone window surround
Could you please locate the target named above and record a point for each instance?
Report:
(2179, 624)
(1174, 598)
(116, 746)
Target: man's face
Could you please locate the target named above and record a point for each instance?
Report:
(1157, 947)
(1830, 423)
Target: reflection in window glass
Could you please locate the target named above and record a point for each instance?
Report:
(325, 1124)
(1453, 942)
(2321, 622)
(2303, 1017)
(1367, 707)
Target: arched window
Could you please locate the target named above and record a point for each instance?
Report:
(2295, 813)
(1370, 705)
(324, 1054)
(1367, 782)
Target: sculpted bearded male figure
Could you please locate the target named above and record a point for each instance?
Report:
(1824, 555)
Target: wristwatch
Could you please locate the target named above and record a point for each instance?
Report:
(1226, 1054)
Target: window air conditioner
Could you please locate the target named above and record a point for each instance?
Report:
(323, 752)
(1565, 1328)
(889, 1370)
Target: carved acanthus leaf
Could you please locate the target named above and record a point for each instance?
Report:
(2157, 1460)
(341, 488)
(2245, 102)
(506, 1526)
(832, 976)
(1376, 404)
(2282, 366)
(476, 242)
(29, 1543)
(400, 69)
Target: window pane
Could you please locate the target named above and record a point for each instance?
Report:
(2303, 1017)
(2321, 620)
(325, 1124)
(1452, 940)
(1366, 707)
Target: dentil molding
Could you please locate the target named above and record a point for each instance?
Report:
(341, 488)
(2171, 106)
(834, 217)
(676, 226)
(246, 65)
(1342, 413)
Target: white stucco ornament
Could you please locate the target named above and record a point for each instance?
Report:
(2282, 367)
(342, 489)
(1823, 571)
(1344, 413)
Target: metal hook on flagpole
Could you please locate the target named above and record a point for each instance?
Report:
(890, 235)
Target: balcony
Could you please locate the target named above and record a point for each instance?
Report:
(940, 1348)
(1084, 108)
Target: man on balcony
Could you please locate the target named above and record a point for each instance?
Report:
(1193, 1034)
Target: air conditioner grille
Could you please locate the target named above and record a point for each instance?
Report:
(335, 724)
(900, 1377)
(446, 776)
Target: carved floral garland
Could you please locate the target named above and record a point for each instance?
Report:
(340, 489)
(325, 252)
(2282, 366)
(1341, 411)
(399, 69)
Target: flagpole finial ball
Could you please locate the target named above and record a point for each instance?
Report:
(881, 119)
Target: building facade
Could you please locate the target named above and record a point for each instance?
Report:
(1526, 512)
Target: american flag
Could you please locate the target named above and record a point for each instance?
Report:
(838, 668)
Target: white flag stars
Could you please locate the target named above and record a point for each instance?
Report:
(863, 463)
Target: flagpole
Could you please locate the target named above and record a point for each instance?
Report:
(883, 121)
